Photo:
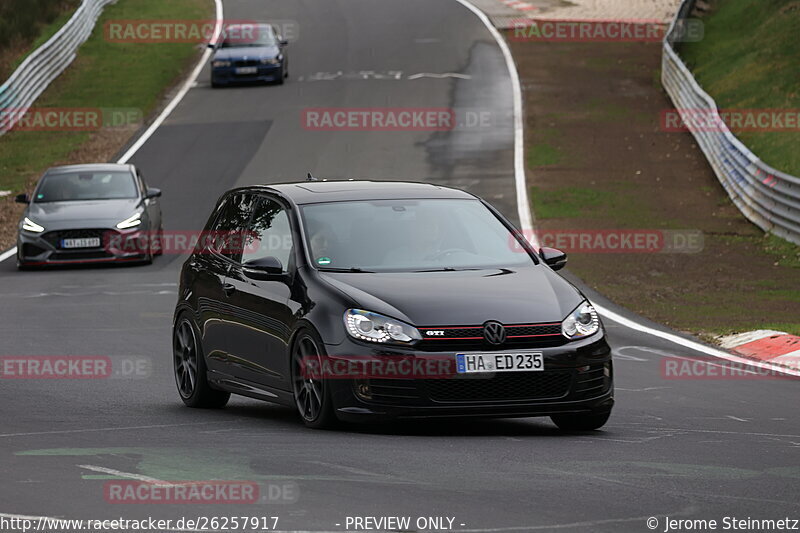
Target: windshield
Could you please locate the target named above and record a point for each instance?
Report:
(248, 35)
(69, 187)
(409, 235)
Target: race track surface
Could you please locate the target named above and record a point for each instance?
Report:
(683, 448)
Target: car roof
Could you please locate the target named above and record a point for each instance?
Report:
(311, 192)
(92, 167)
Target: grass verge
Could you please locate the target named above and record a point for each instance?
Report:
(748, 60)
(615, 168)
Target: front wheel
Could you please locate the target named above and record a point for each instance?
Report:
(581, 422)
(190, 369)
(311, 394)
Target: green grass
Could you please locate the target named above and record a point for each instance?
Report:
(748, 60)
(544, 154)
(21, 20)
(104, 75)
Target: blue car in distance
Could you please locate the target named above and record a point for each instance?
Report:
(249, 53)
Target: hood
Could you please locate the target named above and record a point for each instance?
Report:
(462, 298)
(249, 52)
(82, 213)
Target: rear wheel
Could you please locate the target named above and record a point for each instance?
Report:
(311, 394)
(190, 369)
(581, 422)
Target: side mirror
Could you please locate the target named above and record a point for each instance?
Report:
(152, 192)
(283, 42)
(212, 45)
(264, 269)
(22, 198)
(556, 259)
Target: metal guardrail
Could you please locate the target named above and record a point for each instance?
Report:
(767, 197)
(45, 63)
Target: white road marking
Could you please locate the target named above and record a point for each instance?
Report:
(523, 206)
(439, 76)
(736, 418)
(692, 345)
(128, 475)
(178, 97)
(90, 430)
(8, 253)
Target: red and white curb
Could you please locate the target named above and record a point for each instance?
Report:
(519, 6)
(766, 345)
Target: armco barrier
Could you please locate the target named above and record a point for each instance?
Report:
(767, 197)
(45, 63)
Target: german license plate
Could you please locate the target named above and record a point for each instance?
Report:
(92, 242)
(246, 70)
(475, 363)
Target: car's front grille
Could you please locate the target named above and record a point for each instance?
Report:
(448, 338)
(55, 237)
(80, 256)
(509, 386)
(246, 63)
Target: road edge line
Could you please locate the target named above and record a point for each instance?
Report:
(524, 210)
(526, 213)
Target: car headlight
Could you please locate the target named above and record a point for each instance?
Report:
(582, 322)
(367, 326)
(130, 222)
(220, 63)
(270, 61)
(30, 225)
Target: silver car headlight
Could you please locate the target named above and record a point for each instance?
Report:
(220, 63)
(582, 322)
(30, 225)
(130, 222)
(367, 326)
(270, 61)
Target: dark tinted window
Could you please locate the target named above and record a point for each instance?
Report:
(270, 233)
(248, 35)
(77, 186)
(228, 235)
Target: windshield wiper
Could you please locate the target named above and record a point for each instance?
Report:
(351, 269)
(447, 269)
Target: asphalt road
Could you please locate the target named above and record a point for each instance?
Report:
(702, 449)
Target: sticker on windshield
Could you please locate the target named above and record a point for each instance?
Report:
(323, 260)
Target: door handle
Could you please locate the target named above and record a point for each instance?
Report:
(228, 289)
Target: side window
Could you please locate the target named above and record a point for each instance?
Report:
(227, 235)
(269, 234)
(142, 184)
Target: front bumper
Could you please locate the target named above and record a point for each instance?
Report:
(577, 378)
(46, 249)
(230, 75)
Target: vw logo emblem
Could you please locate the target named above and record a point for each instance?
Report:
(494, 332)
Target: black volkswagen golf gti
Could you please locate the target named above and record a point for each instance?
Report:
(358, 300)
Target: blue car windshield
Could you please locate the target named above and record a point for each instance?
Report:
(248, 36)
(409, 235)
(80, 186)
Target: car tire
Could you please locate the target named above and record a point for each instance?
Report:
(281, 77)
(312, 397)
(581, 422)
(189, 368)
